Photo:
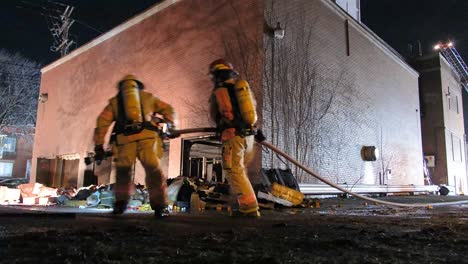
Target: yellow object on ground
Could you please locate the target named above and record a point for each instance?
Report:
(145, 208)
(295, 197)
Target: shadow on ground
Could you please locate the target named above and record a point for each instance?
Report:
(340, 231)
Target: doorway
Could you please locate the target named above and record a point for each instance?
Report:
(201, 159)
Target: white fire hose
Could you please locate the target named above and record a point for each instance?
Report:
(316, 175)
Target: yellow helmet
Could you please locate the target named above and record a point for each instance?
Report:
(220, 64)
(131, 77)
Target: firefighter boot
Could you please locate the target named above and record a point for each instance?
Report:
(161, 212)
(119, 207)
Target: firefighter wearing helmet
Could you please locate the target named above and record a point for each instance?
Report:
(135, 135)
(232, 108)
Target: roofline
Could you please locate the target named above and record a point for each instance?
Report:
(109, 34)
(167, 3)
(368, 33)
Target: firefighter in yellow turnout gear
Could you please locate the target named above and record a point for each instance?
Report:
(137, 136)
(232, 107)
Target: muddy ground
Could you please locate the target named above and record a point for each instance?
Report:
(340, 231)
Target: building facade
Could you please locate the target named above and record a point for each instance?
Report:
(443, 131)
(349, 89)
(325, 87)
(16, 144)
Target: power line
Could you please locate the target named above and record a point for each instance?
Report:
(56, 3)
(59, 25)
(88, 26)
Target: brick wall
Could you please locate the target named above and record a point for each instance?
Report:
(321, 101)
(325, 98)
(169, 51)
(23, 149)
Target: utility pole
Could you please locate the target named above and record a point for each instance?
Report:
(59, 29)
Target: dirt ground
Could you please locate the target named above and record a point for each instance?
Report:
(340, 231)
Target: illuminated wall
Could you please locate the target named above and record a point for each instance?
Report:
(168, 48)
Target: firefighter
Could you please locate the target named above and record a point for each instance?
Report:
(232, 108)
(136, 135)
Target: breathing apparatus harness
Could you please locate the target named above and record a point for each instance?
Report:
(127, 127)
(243, 129)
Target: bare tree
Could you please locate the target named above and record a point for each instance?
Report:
(244, 50)
(307, 105)
(19, 90)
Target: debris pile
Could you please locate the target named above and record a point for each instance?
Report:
(198, 195)
(278, 189)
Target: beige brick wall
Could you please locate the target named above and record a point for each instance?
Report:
(367, 98)
(169, 51)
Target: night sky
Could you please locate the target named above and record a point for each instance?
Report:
(399, 22)
(403, 22)
(25, 28)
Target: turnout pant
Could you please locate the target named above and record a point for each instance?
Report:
(237, 153)
(148, 151)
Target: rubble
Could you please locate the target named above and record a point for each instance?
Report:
(9, 195)
(185, 194)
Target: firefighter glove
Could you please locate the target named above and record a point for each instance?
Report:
(171, 131)
(259, 137)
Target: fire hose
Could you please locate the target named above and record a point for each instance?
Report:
(322, 179)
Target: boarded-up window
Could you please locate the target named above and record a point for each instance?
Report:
(452, 101)
(456, 148)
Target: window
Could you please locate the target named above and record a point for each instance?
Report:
(452, 100)
(28, 169)
(453, 103)
(456, 148)
(7, 147)
(6, 168)
(358, 10)
(9, 144)
(448, 97)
